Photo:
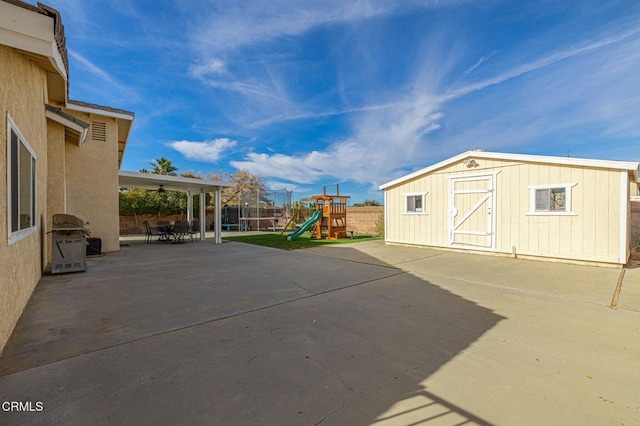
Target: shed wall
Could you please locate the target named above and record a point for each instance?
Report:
(592, 234)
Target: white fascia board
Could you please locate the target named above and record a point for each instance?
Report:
(171, 183)
(567, 161)
(98, 111)
(425, 170)
(30, 32)
(83, 130)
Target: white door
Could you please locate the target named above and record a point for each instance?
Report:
(472, 211)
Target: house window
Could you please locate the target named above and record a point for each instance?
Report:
(414, 203)
(551, 199)
(21, 178)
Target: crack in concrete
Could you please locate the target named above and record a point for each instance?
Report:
(344, 398)
(352, 390)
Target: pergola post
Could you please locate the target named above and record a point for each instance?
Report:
(189, 206)
(203, 216)
(218, 215)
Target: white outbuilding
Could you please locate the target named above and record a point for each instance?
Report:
(558, 208)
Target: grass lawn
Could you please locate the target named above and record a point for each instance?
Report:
(304, 241)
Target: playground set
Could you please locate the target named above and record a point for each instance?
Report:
(258, 211)
(273, 210)
(328, 221)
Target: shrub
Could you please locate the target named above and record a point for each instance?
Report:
(379, 222)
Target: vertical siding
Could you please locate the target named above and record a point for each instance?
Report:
(591, 234)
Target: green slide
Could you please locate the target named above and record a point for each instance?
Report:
(317, 215)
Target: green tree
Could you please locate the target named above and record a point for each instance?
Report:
(367, 203)
(243, 180)
(163, 166)
(141, 201)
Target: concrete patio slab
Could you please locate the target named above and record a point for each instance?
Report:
(357, 334)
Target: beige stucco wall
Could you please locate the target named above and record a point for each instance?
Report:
(55, 176)
(23, 96)
(593, 234)
(92, 181)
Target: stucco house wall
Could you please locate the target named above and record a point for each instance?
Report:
(23, 95)
(55, 178)
(71, 176)
(92, 181)
(595, 229)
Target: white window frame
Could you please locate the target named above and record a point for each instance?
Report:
(423, 195)
(15, 236)
(568, 209)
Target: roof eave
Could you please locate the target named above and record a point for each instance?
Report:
(31, 31)
(123, 118)
(569, 161)
(69, 121)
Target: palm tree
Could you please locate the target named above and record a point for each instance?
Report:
(163, 166)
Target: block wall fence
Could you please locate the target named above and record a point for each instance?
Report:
(361, 220)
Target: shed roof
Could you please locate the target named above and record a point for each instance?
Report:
(524, 158)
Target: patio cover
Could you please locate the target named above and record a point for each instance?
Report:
(181, 184)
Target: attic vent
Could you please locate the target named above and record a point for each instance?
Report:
(98, 131)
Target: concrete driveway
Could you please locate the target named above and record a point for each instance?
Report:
(235, 334)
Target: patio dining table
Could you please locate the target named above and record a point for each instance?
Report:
(173, 232)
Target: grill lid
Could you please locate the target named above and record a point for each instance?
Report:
(67, 222)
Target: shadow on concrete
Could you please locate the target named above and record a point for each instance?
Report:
(236, 334)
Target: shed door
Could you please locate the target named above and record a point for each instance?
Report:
(471, 211)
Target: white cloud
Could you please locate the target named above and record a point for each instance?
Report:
(207, 151)
(276, 185)
(211, 66)
(391, 137)
(541, 63)
(232, 24)
(113, 89)
(383, 139)
(479, 62)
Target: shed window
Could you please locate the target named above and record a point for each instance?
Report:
(414, 203)
(21, 178)
(551, 199)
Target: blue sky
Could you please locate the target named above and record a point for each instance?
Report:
(308, 93)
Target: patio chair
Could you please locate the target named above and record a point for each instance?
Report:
(150, 233)
(166, 231)
(194, 228)
(180, 230)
